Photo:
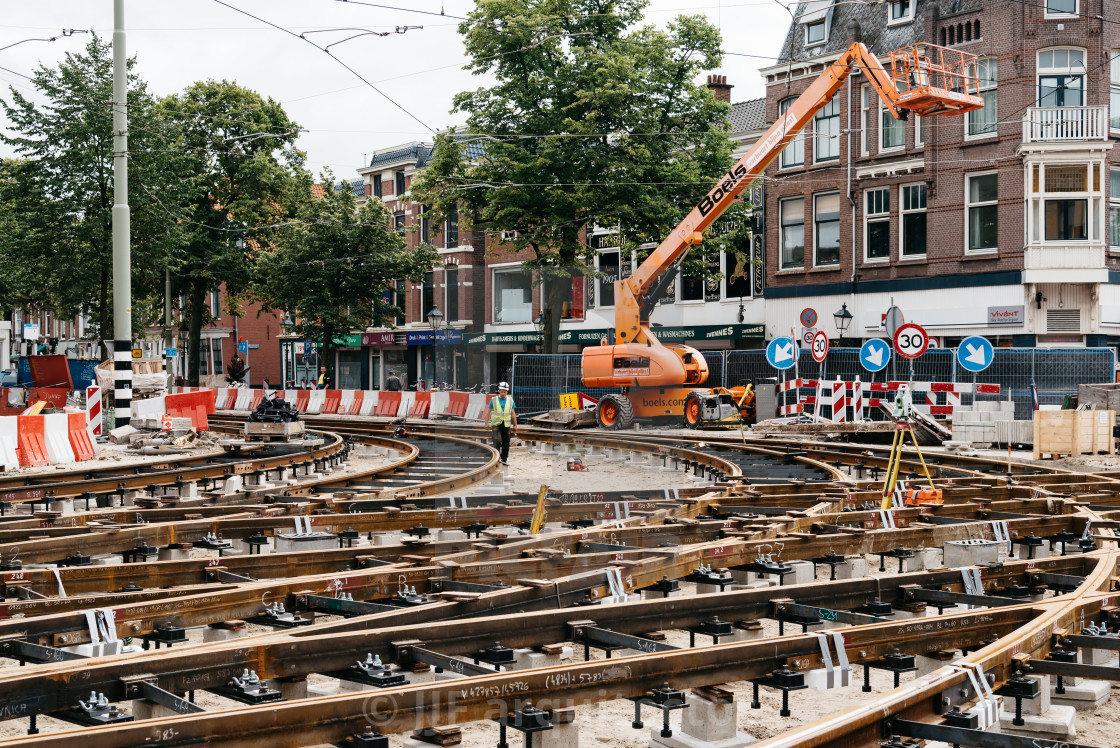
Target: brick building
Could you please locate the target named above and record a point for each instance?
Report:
(996, 222)
(411, 348)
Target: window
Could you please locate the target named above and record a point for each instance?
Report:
(700, 288)
(1067, 202)
(609, 267)
(892, 132)
(865, 119)
(215, 305)
(982, 122)
(377, 185)
(1114, 209)
(826, 229)
(877, 224)
(451, 298)
(981, 191)
(913, 220)
(814, 32)
(1114, 93)
(1061, 7)
(919, 131)
(219, 367)
(1066, 220)
(428, 295)
(826, 136)
(902, 11)
(452, 227)
(1061, 77)
(794, 153)
(792, 218)
(513, 296)
(399, 179)
(398, 222)
(425, 224)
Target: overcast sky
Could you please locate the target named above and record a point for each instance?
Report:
(177, 42)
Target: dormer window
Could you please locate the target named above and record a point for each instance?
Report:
(814, 32)
(902, 11)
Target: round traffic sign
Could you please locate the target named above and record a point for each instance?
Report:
(975, 354)
(781, 353)
(808, 316)
(911, 340)
(874, 354)
(893, 320)
(820, 346)
(807, 335)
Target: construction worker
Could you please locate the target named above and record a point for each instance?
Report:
(503, 420)
(322, 384)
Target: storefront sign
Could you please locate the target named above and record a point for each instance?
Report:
(425, 337)
(378, 338)
(593, 336)
(1006, 315)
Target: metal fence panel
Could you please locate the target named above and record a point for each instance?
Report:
(538, 380)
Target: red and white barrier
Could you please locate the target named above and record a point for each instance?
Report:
(315, 400)
(831, 399)
(93, 411)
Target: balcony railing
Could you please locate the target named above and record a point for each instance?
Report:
(1058, 124)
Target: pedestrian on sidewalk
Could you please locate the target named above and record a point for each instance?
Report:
(503, 420)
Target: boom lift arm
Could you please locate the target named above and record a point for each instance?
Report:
(925, 79)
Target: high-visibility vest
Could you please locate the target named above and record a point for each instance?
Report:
(501, 414)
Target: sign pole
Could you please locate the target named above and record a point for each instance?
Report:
(122, 256)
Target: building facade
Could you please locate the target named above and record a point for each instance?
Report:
(1003, 222)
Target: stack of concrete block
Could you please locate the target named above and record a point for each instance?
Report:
(986, 422)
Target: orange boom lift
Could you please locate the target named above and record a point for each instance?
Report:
(661, 380)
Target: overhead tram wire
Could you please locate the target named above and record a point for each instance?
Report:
(352, 71)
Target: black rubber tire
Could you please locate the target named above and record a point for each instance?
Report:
(625, 417)
(692, 398)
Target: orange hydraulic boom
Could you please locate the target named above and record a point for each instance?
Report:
(661, 380)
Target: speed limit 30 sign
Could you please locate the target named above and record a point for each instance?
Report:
(820, 346)
(911, 340)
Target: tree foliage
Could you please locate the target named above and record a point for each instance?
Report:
(61, 189)
(593, 120)
(330, 270)
(237, 182)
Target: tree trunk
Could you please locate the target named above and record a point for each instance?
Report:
(554, 303)
(327, 359)
(198, 295)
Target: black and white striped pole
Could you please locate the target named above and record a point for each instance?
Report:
(122, 255)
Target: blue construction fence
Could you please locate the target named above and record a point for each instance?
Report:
(539, 379)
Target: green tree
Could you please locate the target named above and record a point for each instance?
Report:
(63, 186)
(236, 185)
(592, 119)
(332, 268)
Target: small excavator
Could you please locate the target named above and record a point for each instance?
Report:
(664, 381)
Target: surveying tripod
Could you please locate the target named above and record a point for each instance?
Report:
(902, 427)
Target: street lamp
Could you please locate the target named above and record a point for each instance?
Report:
(286, 325)
(435, 321)
(843, 318)
(539, 324)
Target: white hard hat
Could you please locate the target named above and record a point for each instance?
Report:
(503, 385)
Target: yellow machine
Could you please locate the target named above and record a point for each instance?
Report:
(902, 427)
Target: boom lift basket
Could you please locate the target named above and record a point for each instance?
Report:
(933, 80)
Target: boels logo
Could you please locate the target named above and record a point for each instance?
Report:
(724, 188)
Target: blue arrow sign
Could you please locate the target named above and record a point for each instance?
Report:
(781, 353)
(975, 354)
(875, 354)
